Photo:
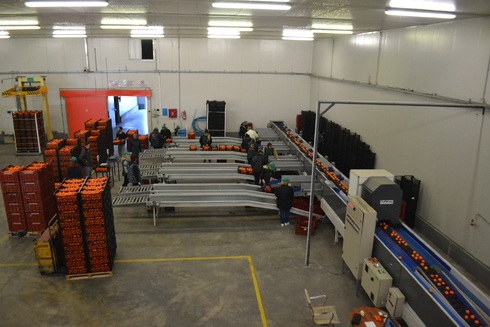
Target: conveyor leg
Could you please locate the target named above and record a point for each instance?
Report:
(154, 215)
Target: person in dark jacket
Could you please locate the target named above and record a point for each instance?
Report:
(205, 139)
(121, 136)
(266, 173)
(126, 162)
(156, 139)
(257, 162)
(134, 174)
(166, 133)
(85, 159)
(243, 129)
(285, 197)
(74, 170)
(270, 151)
(136, 147)
(251, 152)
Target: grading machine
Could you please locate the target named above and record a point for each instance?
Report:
(434, 290)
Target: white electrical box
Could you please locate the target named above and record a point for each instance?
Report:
(360, 222)
(376, 282)
(395, 302)
(357, 177)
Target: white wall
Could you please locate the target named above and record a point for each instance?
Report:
(259, 80)
(446, 148)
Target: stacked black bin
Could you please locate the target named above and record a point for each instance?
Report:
(216, 117)
(410, 187)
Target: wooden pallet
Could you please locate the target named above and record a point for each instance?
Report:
(89, 275)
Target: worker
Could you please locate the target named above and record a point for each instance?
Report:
(126, 162)
(253, 134)
(245, 142)
(270, 151)
(285, 197)
(266, 174)
(243, 129)
(251, 152)
(121, 136)
(136, 147)
(166, 133)
(257, 162)
(156, 139)
(134, 173)
(74, 170)
(85, 159)
(205, 139)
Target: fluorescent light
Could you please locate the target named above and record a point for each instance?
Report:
(211, 36)
(69, 32)
(332, 27)
(422, 5)
(222, 23)
(4, 35)
(12, 22)
(150, 32)
(291, 38)
(423, 14)
(332, 32)
(148, 36)
(20, 27)
(114, 21)
(69, 35)
(68, 27)
(93, 3)
(250, 5)
(228, 30)
(289, 32)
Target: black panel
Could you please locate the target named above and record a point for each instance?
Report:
(147, 49)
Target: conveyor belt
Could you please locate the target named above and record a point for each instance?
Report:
(120, 201)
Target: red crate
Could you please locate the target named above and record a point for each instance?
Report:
(14, 207)
(16, 221)
(11, 187)
(96, 238)
(74, 254)
(37, 222)
(100, 267)
(301, 227)
(12, 197)
(10, 174)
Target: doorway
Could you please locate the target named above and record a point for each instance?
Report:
(129, 112)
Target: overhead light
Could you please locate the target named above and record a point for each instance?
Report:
(419, 13)
(223, 23)
(250, 5)
(229, 30)
(332, 27)
(422, 5)
(332, 32)
(56, 3)
(292, 38)
(13, 22)
(70, 35)
(69, 32)
(21, 27)
(211, 36)
(114, 21)
(4, 35)
(69, 27)
(149, 32)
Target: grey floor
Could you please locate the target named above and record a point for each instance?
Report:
(195, 268)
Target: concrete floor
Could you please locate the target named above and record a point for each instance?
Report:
(195, 268)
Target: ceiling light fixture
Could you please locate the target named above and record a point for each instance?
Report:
(20, 27)
(149, 32)
(332, 27)
(331, 32)
(250, 5)
(222, 23)
(301, 33)
(18, 22)
(422, 5)
(114, 21)
(419, 13)
(229, 30)
(4, 35)
(212, 36)
(87, 3)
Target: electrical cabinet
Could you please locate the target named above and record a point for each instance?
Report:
(376, 282)
(360, 222)
(395, 302)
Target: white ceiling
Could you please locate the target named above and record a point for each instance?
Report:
(189, 18)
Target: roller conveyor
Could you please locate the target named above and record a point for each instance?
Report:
(121, 201)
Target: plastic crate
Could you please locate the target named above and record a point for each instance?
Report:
(16, 221)
(10, 174)
(301, 227)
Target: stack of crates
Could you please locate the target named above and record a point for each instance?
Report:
(30, 135)
(70, 219)
(98, 222)
(83, 135)
(105, 127)
(94, 142)
(51, 155)
(87, 226)
(13, 199)
(64, 155)
(37, 184)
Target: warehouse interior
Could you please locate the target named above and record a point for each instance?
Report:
(257, 268)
